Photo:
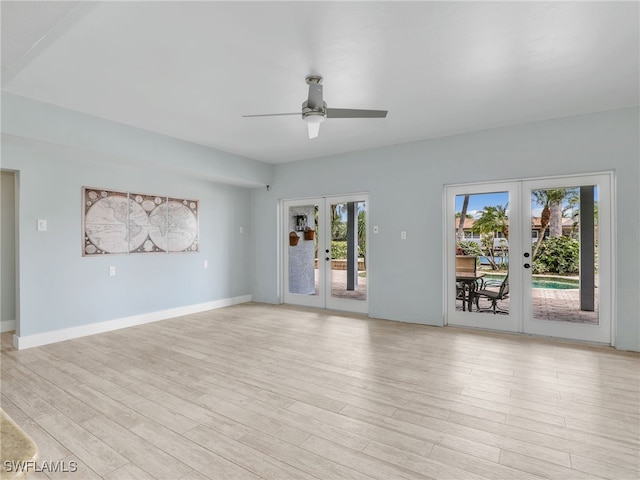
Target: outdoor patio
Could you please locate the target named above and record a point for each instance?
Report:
(339, 285)
(548, 304)
(551, 304)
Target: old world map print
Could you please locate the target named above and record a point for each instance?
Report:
(123, 222)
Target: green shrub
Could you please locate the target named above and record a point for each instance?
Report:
(538, 267)
(470, 247)
(558, 255)
(339, 249)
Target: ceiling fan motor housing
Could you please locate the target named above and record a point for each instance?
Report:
(312, 115)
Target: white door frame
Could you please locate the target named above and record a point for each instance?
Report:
(603, 332)
(520, 278)
(511, 322)
(336, 303)
(324, 298)
(12, 324)
(317, 301)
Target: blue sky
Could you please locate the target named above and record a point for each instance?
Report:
(478, 201)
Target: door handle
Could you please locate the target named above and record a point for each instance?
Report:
(526, 265)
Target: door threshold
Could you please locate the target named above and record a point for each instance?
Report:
(305, 308)
(532, 336)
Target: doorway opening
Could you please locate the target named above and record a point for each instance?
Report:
(324, 241)
(532, 256)
(8, 254)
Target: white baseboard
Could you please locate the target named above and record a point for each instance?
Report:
(7, 325)
(54, 336)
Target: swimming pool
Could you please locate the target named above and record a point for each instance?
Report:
(553, 283)
(498, 260)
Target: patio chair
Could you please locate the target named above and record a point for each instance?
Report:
(493, 295)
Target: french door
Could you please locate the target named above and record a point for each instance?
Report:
(543, 256)
(579, 249)
(324, 252)
(491, 249)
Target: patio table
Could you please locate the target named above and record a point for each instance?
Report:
(469, 281)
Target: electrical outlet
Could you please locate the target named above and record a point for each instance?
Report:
(241, 229)
(403, 235)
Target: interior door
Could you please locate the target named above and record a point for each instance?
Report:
(324, 256)
(568, 284)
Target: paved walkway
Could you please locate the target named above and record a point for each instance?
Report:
(561, 306)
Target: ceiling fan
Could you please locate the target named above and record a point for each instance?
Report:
(314, 109)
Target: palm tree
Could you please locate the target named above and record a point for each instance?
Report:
(338, 227)
(362, 231)
(551, 216)
(571, 209)
(494, 220)
(463, 215)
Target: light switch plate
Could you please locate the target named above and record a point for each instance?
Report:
(112, 271)
(42, 225)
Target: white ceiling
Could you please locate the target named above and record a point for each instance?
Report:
(190, 70)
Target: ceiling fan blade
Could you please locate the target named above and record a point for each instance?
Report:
(314, 129)
(352, 113)
(315, 96)
(272, 114)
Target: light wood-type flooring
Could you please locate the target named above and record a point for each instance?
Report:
(276, 392)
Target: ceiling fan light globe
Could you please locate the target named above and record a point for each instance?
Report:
(313, 129)
(314, 118)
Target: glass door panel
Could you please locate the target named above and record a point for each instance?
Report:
(347, 272)
(348, 243)
(481, 239)
(302, 277)
(569, 248)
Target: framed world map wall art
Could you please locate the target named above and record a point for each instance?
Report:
(122, 223)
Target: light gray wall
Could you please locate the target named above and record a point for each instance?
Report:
(8, 248)
(57, 151)
(58, 287)
(117, 143)
(406, 184)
